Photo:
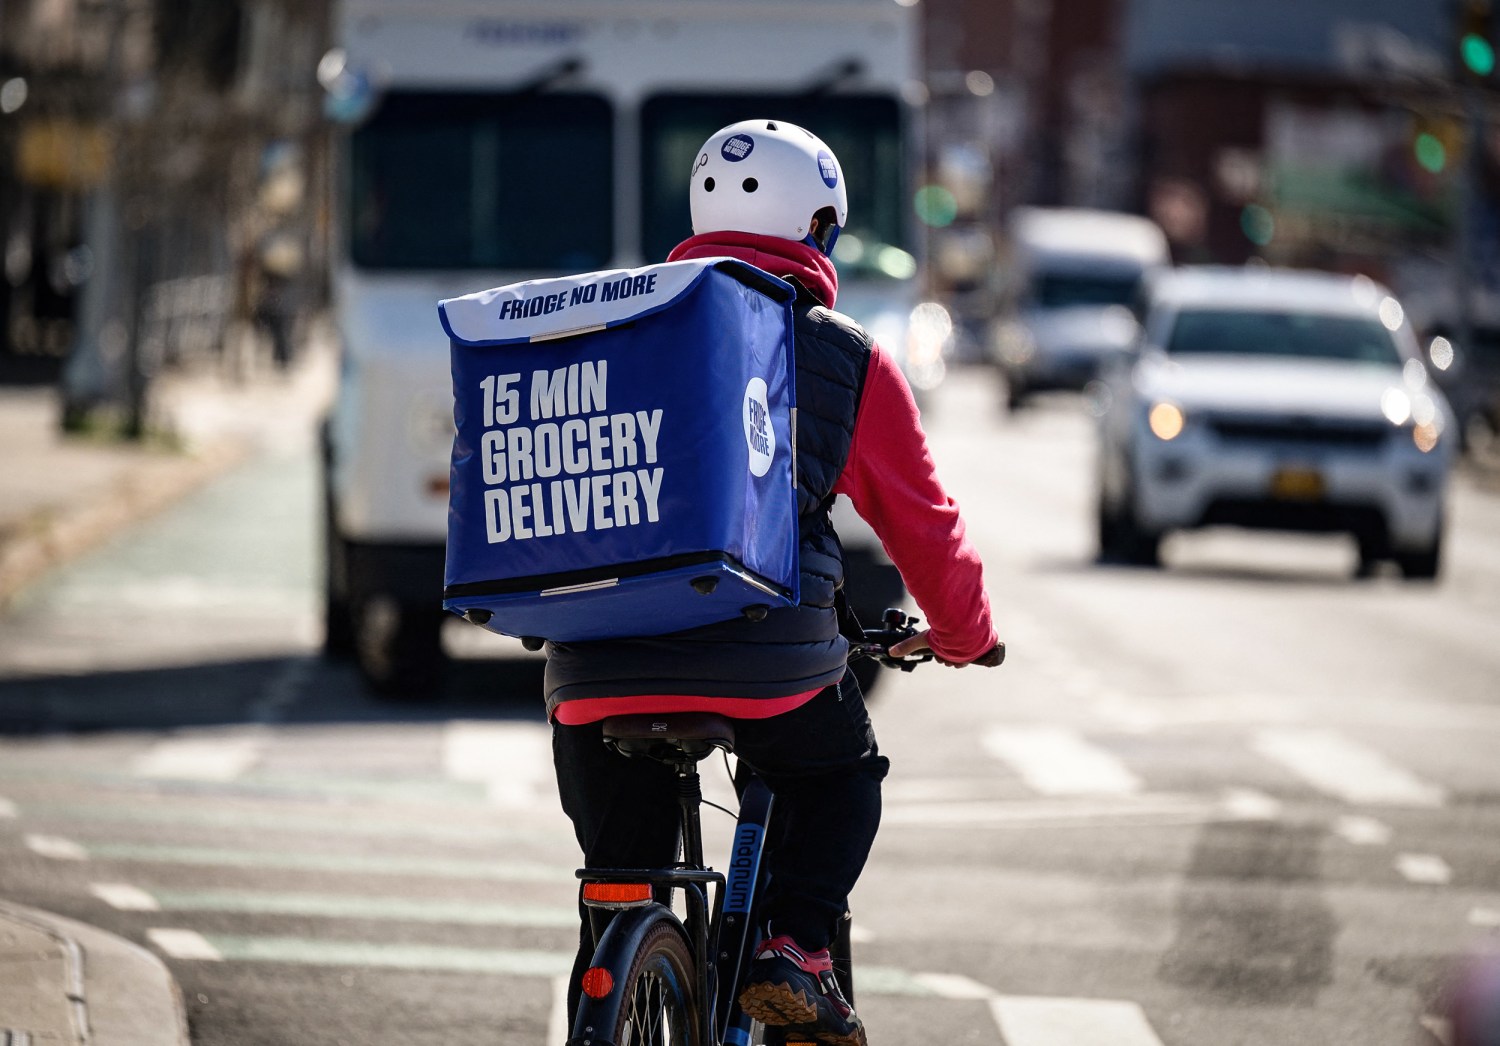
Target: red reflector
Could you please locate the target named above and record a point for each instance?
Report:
(597, 983)
(617, 893)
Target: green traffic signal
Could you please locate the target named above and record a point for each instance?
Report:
(1431, 154)
(1478, 54)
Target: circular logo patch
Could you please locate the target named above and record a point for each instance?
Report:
(737, 148)
(828, 167)
(759, 435)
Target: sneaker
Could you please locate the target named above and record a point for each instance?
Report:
(792, 988)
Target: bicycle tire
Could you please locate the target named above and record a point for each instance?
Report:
(658, 1004)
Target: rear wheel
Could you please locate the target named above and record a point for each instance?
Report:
(659, 1007)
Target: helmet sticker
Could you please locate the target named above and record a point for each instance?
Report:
(828, 168)
(702, 162)
(737, 148)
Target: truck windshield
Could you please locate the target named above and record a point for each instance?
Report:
(471, 181)
(1309, 335)
(864, 131)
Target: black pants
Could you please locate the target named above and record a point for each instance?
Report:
(820, 760)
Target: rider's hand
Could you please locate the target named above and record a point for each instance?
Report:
(918, 643)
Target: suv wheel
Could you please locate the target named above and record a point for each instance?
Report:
(1122, 537)
(1423, 564)
(338, 616)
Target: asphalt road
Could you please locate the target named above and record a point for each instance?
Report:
(1243, 799)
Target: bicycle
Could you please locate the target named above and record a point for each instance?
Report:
(655, 979)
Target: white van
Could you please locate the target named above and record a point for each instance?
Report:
(497, 142)
(1072, 278)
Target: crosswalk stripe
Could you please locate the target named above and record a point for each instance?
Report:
(512, 760)
(1054, 761)
(336, 906)
(1487, 918)
(1085, 812)
(1341, 768)
(449, 868)
(200, 759)
(7, 808)
(1071, 1022)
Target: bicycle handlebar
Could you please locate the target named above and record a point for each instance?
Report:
(878, 641)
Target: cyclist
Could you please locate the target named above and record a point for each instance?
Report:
(772, 194)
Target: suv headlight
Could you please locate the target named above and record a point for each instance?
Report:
(1166, 421)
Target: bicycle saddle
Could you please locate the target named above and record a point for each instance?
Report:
(670, 737)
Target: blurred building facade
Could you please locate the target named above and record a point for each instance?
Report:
(1336, 133)
(156, 159)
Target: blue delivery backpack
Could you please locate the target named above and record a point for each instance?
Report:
(624, 461)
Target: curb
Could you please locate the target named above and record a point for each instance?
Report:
(68, 982)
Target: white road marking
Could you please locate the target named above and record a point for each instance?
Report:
(184, 944)
(1362, 831)
(513, 760)
(1248, 804)
(557, 1020)
(1071, 1022)
(1342, 768)
(7, 807)
(56, 848)
(954, 986)
(1486, 918)
(1426, 869)
(859, 935)
(1000, 813)
(125, 897)
(1054, 761)
(200, 759)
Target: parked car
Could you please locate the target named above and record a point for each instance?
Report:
(1073, 276)
(1275, 399)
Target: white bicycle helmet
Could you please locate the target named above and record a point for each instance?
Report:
(772, 178)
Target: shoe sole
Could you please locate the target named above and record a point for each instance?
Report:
(782, 1006)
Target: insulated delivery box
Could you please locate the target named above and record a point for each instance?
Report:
(624, 462)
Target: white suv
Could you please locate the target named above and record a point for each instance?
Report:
(1274, 399)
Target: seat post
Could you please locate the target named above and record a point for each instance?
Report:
(690, 801)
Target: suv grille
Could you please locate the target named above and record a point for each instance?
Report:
(1317, 432)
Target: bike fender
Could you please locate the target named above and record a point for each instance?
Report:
(615, 951)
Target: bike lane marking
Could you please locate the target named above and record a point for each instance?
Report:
(126, 897)
(446, 868)
(190, 945)
(1055, 761)
(1345, 769)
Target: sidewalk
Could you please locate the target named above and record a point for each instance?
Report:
(61, 981)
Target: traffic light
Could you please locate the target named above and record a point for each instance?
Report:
(1476, 46)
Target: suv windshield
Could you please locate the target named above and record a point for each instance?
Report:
(1309, 335)
(1059, 292)
(470, 181)
(864, 132)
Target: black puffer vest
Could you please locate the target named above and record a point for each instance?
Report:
(793, 649)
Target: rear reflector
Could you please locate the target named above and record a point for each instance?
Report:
(597, 982)
(617, 895)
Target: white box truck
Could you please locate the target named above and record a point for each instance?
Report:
(490, 142)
